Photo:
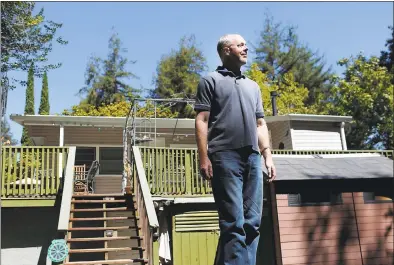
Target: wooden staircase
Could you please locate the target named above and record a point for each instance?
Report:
(104, 229)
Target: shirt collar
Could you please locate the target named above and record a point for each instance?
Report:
(225, 71)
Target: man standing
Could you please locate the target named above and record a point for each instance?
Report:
(231, 137)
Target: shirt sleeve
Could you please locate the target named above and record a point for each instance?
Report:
(204, 95)
(259, 105)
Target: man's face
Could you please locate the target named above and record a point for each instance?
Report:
(237, 50)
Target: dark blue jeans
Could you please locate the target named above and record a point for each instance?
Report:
(237, 185)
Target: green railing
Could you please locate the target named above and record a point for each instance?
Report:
(31, 172)
(174, 171)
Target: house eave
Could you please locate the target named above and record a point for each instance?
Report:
(95, 121)
(119, 122)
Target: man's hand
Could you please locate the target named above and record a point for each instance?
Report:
(271, 170)
(206, 168)
(264, 145)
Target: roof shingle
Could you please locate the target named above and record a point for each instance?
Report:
(332, 167)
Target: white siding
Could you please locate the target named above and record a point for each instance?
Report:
(315, 135)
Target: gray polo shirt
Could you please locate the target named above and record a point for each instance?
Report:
(234, 103)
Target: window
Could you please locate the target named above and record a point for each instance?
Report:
(314, 198)
(378, 197)
(111, 160)
(85, 156)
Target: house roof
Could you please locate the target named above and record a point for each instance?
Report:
(50, 120)
(343, 166)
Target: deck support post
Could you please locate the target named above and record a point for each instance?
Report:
(61, 143)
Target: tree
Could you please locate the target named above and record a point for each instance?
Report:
(365, 92)
(387, 57)
(104, 78)
(26, 39)
(6, 136)
(121, 109)
(44, 102)
(292, 95)
(179, 72)
(29, 104)
(279, 51)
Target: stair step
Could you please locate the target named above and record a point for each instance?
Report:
(104, 218)
(98, 195)
(84, 239)
(95, 250)
(101, 209)
(98, 201)
(102, 228)
(107, 262)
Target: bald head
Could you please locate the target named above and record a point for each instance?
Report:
(232, 49)
(224, 41)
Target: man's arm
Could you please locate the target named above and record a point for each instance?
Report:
(203, 108)
(264, 146)
(202, 143)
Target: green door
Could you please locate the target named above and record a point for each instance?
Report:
(195, 237)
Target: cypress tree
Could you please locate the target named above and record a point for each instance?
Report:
(29, 104)
(44, 102)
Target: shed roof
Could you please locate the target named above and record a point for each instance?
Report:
(346, 166)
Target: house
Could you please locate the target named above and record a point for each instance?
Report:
(101, 138)
(166, 180)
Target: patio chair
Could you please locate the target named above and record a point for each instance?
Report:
(85, 180)
(79, 174)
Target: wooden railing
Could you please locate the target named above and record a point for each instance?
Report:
(145, 207)
(31, 171)
(174, 171)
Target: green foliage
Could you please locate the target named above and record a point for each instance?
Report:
(121, 109)
(366, 93)
(44, 102)
(25, 139)
(387, 57)
(279, 52)
(104, 78)
(179, 72)
(6, 134)
(292, 95)
(29, 104)
(25, 39)
(17, 163)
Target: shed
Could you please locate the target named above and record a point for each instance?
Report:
(333, 209)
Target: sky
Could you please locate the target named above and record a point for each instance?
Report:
(149, 30)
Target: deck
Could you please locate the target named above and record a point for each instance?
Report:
(32, 176)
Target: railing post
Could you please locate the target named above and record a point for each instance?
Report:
(188, 172)
(60, 154)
